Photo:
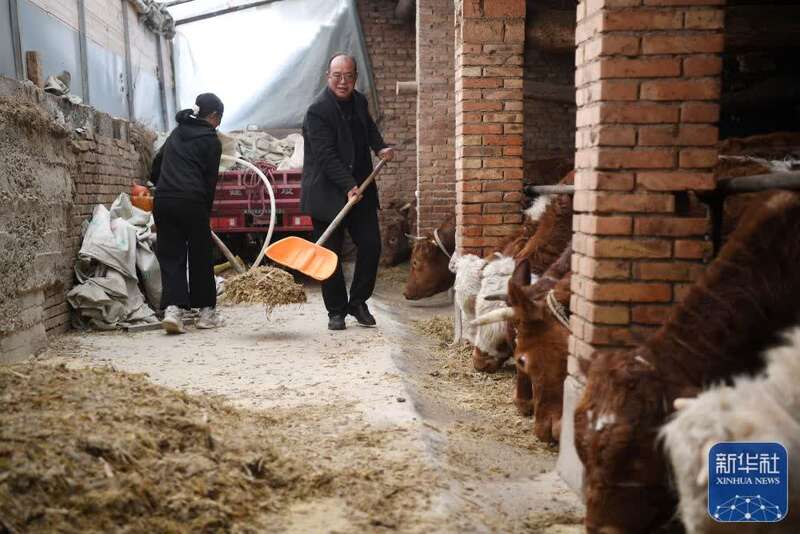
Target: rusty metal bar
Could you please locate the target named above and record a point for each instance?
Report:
(725, 186)
(759, 182)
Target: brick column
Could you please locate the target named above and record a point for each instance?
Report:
(647, 86)
(489, 45)
(435, 113)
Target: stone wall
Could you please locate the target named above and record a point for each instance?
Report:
(57, 161)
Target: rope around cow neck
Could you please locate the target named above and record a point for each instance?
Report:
(439, 243)
(557, 310)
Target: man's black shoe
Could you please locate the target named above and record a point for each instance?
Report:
(336, 322)
(362, 315)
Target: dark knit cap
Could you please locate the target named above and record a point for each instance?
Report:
(208, 104)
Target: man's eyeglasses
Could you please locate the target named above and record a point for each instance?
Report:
(338, 76)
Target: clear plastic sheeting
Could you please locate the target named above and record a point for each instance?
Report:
(266, 63)
(7, 67)
(57, 43)
(117, 252)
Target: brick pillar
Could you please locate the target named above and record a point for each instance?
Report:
(435, 113)
(489, 45)
(647, 90)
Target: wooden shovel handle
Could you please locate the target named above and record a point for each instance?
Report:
(350, 203)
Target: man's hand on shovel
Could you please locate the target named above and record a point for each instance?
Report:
(387, 154)
(353, 194)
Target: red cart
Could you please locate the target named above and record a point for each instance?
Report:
(241, 204)
(241, 209)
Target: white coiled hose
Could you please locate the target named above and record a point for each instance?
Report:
(272, 215)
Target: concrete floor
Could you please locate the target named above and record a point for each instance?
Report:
(382, 380)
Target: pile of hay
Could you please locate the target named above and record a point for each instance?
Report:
(264, 285)
(105, 451)
(456, 358)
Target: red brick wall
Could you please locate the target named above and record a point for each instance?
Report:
(648, 81)
(435, 113)
(489, 39)
(391, 45)
(107, 166)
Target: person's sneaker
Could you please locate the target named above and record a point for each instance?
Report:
(362, 314)
(173, 320)
(336, 322)
(209, 318)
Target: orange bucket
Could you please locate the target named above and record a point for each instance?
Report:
(141, 197)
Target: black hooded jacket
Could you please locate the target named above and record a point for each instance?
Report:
(186, 167)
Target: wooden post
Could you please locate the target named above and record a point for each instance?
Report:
(33, 66)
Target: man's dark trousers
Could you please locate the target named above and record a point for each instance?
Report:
(362, 225)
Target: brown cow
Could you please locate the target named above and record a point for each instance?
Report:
(430, 273)
(553, 233)
(746, 296)
(395, 223)
(541, 343)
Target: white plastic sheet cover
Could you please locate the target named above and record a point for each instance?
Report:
(266, 63)
(117, 252)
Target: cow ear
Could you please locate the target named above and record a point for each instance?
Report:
(525, 308)
(522, 273)
(584, 364)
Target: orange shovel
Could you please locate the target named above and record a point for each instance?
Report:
(313, 259)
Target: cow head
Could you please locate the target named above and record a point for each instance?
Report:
(540, 353)
(616, 427)
(430, 273)
(395, 225)
(488, 363)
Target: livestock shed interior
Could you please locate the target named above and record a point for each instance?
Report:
(584, 315)
(760, 80)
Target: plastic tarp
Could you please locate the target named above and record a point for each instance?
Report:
(286, 153)
(116, 254)
(266, 63)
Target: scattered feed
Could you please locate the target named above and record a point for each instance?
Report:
(487, 395)
(96, 450)
(395, 275)
(270, 286)
(100, 450)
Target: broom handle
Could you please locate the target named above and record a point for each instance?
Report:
(350, 203)
(228, 254)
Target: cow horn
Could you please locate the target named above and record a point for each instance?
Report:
(497, 297)
(405, 207)
(494, 316)
(682, 402)
(416, 237)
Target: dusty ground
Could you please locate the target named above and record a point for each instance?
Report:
(413, 440)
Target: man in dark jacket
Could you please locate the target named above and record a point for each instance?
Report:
(339, 132)
(185, 172)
